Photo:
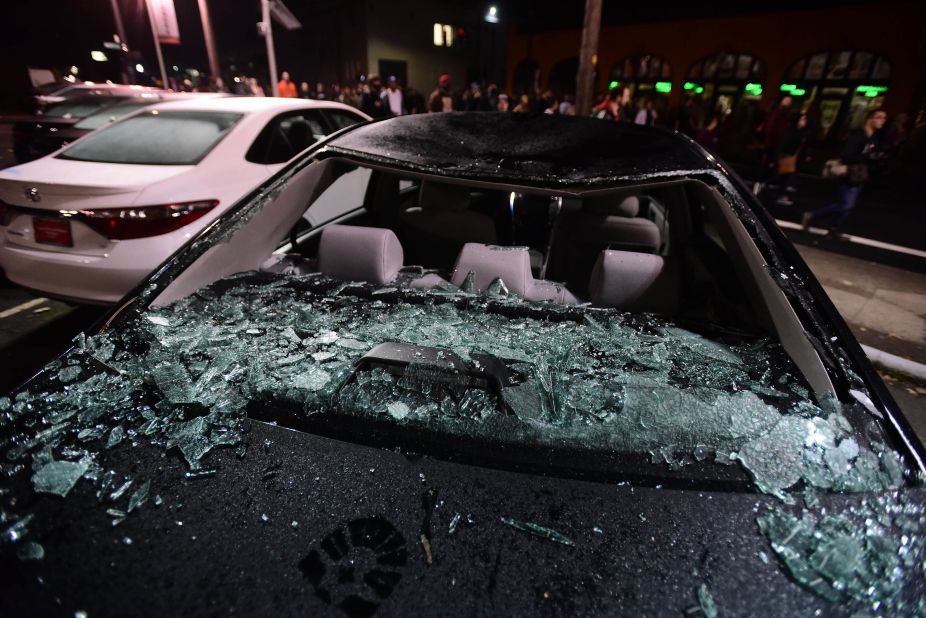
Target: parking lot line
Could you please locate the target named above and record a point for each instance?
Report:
(18, 308)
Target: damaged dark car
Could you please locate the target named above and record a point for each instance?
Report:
(469, 364)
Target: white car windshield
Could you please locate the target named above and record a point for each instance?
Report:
(156, 138)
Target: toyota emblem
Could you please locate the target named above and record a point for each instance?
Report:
(32, 194)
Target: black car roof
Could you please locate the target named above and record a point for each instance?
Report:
(536, 149)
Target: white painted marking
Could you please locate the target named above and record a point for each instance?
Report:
(819, 231)
(27, 305)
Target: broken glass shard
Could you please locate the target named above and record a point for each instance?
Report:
(706, 602)
(58, 477)
(115, 436)
(537, 530)
(30, 550)
(138, 498)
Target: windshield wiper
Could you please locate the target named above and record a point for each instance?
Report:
(438, 366)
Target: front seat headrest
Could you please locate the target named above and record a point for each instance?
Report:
(613, 205)
(357, 253)
(634, 282)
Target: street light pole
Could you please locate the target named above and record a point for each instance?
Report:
(157, 46)
(210, 39)
(588, 57)
(127, 75)
(271, 54)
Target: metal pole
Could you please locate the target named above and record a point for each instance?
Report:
(157, 46)
(210, 39)
(271, 55)
(127, 75)
(588, 53)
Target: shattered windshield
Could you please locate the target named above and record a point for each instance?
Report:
(450, 369)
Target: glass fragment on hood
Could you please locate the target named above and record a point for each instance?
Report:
(863, 555)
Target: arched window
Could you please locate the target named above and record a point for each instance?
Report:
(727, 68)
(526, 78)
(726, 81)
(644, 73)
(838, 86)
(841, 66)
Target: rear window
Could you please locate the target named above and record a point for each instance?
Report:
(156, 138)
(105, 116)
(78, 108)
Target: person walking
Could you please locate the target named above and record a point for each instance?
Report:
(441, 100)
(286, 86)
(609, 108)
(790, 152)
(502, 105)
(371, 103)
(392, 97)
(254, 87)
(772, 131)
(862, 147)
(707, 136)
(647, 115)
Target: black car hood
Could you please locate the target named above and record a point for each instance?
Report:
(305, 525)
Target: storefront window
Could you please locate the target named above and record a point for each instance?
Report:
(647, 75)
(843, 85)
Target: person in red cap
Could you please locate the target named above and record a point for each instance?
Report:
(441, 100)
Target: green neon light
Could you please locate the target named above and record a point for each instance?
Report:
(663, 87)
(798, 92)
(613, 85)
(788, 87)
(754, 89)
(699, 90)
(871, 91)
(689, 86)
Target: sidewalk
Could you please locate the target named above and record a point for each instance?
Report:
(886, 309)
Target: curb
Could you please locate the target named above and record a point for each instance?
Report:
(896, 363)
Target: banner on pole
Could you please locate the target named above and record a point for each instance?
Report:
(164, 21)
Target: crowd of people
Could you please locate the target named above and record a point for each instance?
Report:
(779, 139)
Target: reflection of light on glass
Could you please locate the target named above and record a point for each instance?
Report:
(492, 15)
(139, 68)
(98, 56)
(74, 70)
(511, 198)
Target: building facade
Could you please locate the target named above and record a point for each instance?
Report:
(841, 61)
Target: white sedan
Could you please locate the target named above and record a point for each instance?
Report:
(88, 222)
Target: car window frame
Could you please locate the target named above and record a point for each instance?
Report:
(330, 111)
(259, 150)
